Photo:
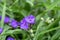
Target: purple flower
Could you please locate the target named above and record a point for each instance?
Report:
(30, 19)
(0, 17)
(1, 30)
(24, 24)
(10, 38)
(6, 19)
(14, 24)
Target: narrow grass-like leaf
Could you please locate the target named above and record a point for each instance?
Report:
(51, 25)
(3, 14)
(46, 31)
(56, 35)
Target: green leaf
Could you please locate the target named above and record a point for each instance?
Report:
(30, 2)
(56, 35)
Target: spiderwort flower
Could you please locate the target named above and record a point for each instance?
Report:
(0, 17)
(14, 24)
(1, 30)
(30, 19)
(24, 24)
(6, 19)
(10, 38)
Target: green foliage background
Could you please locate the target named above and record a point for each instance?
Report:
(47, 13)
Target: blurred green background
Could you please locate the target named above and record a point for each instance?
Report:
(47, 13)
